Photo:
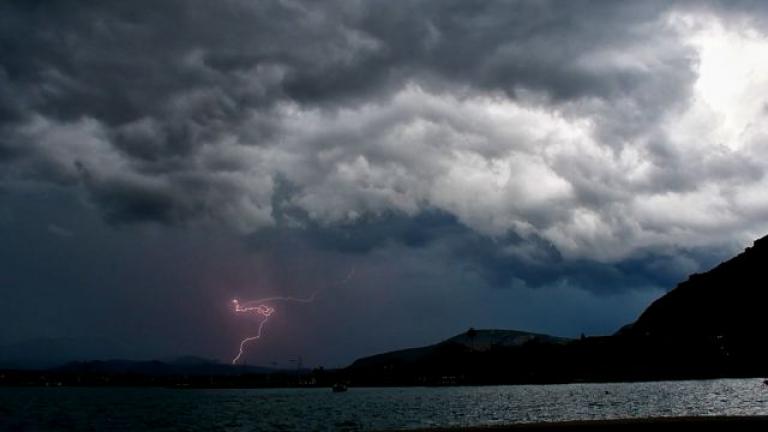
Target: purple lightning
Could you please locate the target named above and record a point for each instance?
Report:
(260, 307)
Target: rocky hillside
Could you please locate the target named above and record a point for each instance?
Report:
(725, 306)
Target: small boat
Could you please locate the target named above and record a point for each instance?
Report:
(339, 388)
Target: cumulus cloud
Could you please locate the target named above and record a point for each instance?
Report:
(599, 130)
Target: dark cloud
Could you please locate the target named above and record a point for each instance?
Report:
(186, 111)
(120, 61)
(501, 263)
(594, 150)
(164, 86)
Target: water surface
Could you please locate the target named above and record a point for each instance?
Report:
(156, 409)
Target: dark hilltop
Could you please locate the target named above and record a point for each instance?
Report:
(711, 325)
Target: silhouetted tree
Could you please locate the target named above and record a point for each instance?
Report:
(471, 334)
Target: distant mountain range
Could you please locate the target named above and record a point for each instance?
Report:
(43, 353)
(188, 366)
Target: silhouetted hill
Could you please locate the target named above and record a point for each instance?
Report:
(728, 301)
(711, 325)
(484, 340)
(717, 318)
(475, 356)
(471, 340)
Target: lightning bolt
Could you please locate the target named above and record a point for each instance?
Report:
(262, 308)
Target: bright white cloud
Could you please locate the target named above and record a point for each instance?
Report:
(500, 164)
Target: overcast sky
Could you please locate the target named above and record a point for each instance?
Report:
(533, 165)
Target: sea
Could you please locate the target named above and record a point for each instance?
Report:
(367, 409)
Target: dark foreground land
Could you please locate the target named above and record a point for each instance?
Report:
(631, 425)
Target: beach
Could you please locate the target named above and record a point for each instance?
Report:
(730, 423)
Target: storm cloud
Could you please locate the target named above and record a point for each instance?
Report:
(600, 146)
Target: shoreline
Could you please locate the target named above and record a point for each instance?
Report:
(655, 424)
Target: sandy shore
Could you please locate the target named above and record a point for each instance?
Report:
(645, 424)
